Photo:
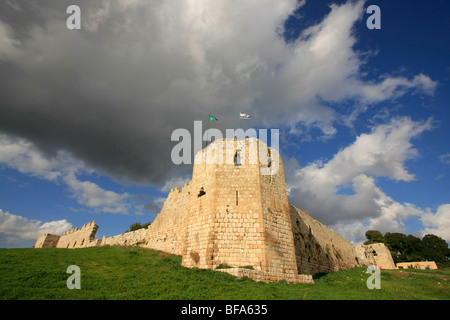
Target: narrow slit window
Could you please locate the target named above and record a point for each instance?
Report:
(237, 197)
(237, 158)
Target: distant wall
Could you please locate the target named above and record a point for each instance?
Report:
(78, 238)
(424, 265)
(375, 254)
(47, 240)
(125, 239)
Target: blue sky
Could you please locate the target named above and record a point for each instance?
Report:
(87, 115)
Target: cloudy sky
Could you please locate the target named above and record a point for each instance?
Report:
(86, 116)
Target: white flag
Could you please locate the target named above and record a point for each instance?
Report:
(245, 116)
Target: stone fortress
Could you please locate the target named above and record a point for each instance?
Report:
(234, 217)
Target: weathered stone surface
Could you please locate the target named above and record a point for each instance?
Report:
(47, 240)
(230, 214)
(375, 254)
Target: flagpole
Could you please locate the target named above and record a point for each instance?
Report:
(207, 128)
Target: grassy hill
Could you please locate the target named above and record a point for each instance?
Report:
(124, 273)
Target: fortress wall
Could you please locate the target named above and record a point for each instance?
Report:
(226, 219)
(319, 248)
(243, 219)
(78, 238)
(168, 232)
(263, 276)
(198, 248)
(238, 222)
(279, 240)
(47, 240)
(125, 239)
(375, 254)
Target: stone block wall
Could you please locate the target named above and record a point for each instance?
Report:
(47, 240)
(319, 248)
(263, 276)
(242, 219)
(126, 239)
(78, 238)
(375, 254)
(279, 240)
(423, 265)
(169, 230)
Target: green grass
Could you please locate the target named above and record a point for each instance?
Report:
(135, 273)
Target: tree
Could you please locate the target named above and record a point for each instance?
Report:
(408, 248)
(396, 242)
(137, 225)
(436, 248)
(374, 236)
(146, 225)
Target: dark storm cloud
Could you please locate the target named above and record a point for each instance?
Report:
(82, 93)
(112, 93)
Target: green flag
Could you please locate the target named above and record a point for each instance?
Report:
(211, 118)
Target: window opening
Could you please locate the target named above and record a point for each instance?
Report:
(201, 192)
(237, 158)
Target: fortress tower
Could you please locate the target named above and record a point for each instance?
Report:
(238, 211)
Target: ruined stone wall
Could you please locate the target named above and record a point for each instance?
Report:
(375, 254)
(126, 239)
(47, 240)
(319, 248)
(168, 232)
(423, 265)
(78, 238)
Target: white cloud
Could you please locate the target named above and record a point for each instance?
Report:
(8, 44)
(381, 153)
(445, 158)
(437, 223)
(23, 156)
(91, 195)
(176, 182)
(13, 4)
(17, 230)
(392, 87)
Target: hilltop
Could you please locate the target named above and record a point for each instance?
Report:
(134, 273)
